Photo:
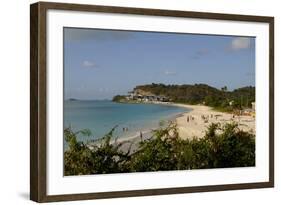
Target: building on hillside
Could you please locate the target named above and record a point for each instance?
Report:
(254, 106)
(146, 98)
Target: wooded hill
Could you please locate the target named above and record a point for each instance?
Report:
(201, 94)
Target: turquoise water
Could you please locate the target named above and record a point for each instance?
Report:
(101, 116)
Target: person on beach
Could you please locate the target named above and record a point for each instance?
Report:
(187, 118)
(141, 135)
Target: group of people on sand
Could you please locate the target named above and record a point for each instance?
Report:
(205, 118)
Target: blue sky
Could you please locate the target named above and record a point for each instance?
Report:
(99, 64)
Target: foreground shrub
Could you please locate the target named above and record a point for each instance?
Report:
(221, 147)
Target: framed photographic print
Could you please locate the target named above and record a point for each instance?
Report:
(135, 102)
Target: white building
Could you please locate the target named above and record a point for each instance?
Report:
(254, 105)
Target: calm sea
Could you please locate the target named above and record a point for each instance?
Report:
(101, 116)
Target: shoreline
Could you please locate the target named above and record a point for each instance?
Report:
(198, 126)
(191, 124)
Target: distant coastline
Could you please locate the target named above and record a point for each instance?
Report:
(220, 99)
(72, 99)
(206, 105)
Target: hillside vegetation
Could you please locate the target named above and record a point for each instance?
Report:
(200, 94)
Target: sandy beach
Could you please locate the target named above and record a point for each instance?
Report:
(191, 124)
(194, 123)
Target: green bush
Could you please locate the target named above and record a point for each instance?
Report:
(99, 158)
(221, 147)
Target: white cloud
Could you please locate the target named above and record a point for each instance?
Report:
(240, 43)
(169, 72)
(88, 64)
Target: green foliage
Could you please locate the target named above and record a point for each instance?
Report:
(221, 147)
(224, 88)
(99, 158)
(233, 148)
(118, 98)
(157, 153)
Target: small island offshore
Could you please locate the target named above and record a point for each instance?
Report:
(138, 101)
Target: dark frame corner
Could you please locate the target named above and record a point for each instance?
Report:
(38, 100)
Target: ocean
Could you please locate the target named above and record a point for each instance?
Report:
(100, 116)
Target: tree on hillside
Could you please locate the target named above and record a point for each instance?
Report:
(224, 88)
